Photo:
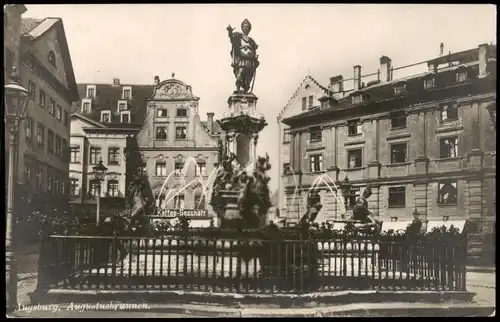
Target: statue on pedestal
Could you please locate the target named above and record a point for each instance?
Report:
(244, 57)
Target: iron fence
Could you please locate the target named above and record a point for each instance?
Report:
(252, 265)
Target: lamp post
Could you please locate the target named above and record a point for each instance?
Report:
(16, 102)
(99, 173)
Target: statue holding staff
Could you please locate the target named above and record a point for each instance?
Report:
(244, 57)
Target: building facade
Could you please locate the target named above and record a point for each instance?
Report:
(46, 70)
(103, 123)
(179, 151)
(424, 144)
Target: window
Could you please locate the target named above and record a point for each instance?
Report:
(59, 113)
(449, 112)
(122, 106)
(352, 196)
(86, 107)
(199, 202)
(42, 99)
(75, 154)
(160, 202)
(304, 103)
(63, 186)
(65, 151)
(50, 141)
(52, 58)
(179, 202)
(461, 75)
(52, 106)
(95, 155)
(399, 89)
(161, 133)
(201, 169)
(66, 118)
(49, 181)
(113, 155)
(356, 99)
(58, 146)
(32, 90)
(354, 158)
(286, 136)
(125, 117)
(94, 187)
(399, 153)
(161, 169)
(447, 193)
(105, 116)
(40, 135)
(162, 113)
(126, 94)
(90, 92)
(315, 133)
(74, 187)
(397, 196)
(429, 82)
(113, 188)
(316, 163)
(29, 129)
(39, 180)
(181, 112)
(353, 127)
(180, 133)
(178, 168)
(398, 120)
(311, 101)
(448, 147)
(57, 189)
(27, 173)
(313, 198)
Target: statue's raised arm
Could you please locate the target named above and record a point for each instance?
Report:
(244, 57)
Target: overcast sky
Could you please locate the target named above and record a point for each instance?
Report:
(135, 42)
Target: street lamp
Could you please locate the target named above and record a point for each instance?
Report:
(99, 173)
(16, 102)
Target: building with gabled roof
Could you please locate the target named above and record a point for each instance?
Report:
(112, 117)
(425, 144)
(46, 70)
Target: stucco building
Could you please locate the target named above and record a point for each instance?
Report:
(160, 126)
(425, 144)
(45, 69)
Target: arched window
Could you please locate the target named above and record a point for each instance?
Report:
(52, 58)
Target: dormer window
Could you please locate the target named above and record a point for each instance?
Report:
(52, 58)
(429, 82)
(86, 105)
(461, 74)
(105, 116)
(356, 99)
(127, 92)
(122, 106)
(91, 91)
(125, 117)
(181, 112)
(399, 88)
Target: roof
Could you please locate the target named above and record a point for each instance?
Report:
(308, 77)
(384, 91)
(215, 127)
(107, 97)
(33, 29)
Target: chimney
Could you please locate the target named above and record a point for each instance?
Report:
(357, 77)
(337, 84)
(210, 122)
(116, 82)
(441, 49)
(385, 69)
(483, 60)
(157, 80)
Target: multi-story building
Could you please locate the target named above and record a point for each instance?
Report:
(46, 71)
(425, 144)
(159, 125)
(179, 151)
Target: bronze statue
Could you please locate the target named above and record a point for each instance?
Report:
(245, 59)
(362, 214)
